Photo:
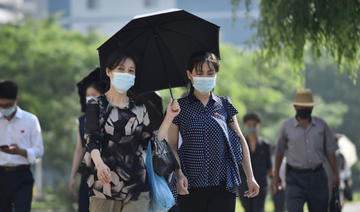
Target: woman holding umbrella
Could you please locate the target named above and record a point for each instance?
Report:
(208, 178)
(116, 136)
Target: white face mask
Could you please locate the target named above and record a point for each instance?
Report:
(88, 98)
(6, 112)
(123, 81)
(204, 84)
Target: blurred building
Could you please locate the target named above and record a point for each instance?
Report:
(235, 31)
(105, 16)
(12, 11)
(108, 16)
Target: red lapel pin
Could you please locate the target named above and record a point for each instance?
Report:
(22, 131)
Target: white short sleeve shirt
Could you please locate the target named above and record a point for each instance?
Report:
(23, 130)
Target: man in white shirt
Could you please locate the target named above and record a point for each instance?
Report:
(20, 145)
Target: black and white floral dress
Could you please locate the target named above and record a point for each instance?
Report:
(121, 136)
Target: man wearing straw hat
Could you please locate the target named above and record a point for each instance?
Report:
(307, 142)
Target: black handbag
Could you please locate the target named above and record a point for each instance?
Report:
(164, 160)
(348, 193)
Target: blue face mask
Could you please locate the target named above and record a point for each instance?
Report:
(6, 112)
(123, 81)
(252, 130)
(204, 84)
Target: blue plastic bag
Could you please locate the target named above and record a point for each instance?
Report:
(161, 197)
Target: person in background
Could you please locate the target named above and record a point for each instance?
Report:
(20, 145)
(260, 154)
(344, 168)
(89, 87)
(344, 174)
(307, 142)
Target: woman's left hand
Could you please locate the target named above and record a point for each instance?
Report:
(173, 108)
(253, 189)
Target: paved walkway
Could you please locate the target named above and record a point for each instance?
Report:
(352, 207)
(349, 207)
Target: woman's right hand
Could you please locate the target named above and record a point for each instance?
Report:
(173, 109)
(181, 184)
(72, 186)
(103, 173)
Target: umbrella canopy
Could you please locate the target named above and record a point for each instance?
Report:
(163, 43)
(348, 149)
(93, 78)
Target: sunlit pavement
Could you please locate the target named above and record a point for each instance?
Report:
(352, 207)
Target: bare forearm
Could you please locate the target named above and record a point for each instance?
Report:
(78, 155)
(332, 161)
(174, 145)
(96, 157)
(278, 161)
(177, 172)
(173, 140)
(246, 163)
(164, 128)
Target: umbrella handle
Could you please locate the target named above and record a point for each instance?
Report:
(171, 93)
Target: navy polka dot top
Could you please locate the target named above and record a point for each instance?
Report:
(209, 155)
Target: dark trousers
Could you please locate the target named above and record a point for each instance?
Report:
(209, 199)
(310, 187)
(16, 189)
(279, 201)
(256, 204)
(83, 196)
(175, 208)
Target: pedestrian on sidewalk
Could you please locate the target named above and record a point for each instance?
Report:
(260, 154)
(208, 179)
(20, 145)
(117, 133)
(307, 142)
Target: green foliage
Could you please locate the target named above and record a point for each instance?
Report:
(46, 61)
(324, 80)
(285, 28)
(330, 114)
(57, 199)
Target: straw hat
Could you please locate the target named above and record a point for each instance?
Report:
(304, 98)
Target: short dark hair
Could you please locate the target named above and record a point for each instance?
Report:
(99, 86)
(252, 116)
(8, 89)
(199, 58)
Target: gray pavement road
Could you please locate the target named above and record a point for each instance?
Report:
(352, 207)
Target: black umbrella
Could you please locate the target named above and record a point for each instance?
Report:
(93, 78)
(163, 43)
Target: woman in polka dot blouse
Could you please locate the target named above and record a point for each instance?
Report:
(209, 155)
